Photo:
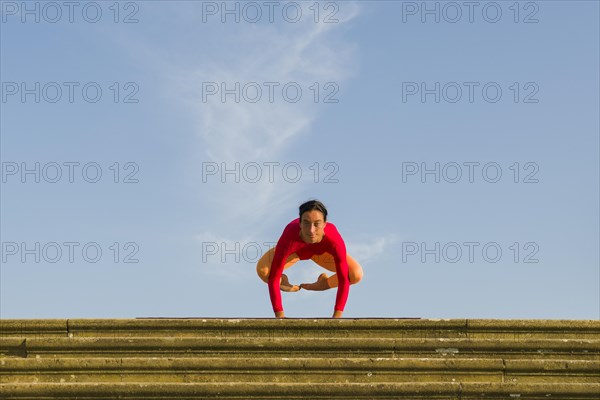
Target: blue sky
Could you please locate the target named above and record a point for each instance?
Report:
(348, 102)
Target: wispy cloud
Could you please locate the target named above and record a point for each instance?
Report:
(230, 132)
(193, 53)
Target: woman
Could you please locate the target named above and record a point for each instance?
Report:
(310, 237)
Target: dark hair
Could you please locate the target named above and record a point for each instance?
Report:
(313, 205)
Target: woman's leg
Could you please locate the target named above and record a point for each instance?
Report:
(263, 269)
(326, 260)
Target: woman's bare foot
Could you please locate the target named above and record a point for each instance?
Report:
(320, 284)
(286, 286)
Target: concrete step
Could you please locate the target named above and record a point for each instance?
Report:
(584, 349)
(275, 369)
(301, 327)
(299, 359)
(300, 391)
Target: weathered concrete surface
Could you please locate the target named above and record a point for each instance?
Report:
(304, 390)
(582, 349)
(275, 369)
(343, 327)
(299, 358)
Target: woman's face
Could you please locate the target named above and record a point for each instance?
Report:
(312, 226)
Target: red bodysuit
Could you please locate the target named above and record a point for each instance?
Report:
(290, 242)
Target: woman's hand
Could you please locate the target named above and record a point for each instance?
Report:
(337, 314)
(279, 314)
(286, 286)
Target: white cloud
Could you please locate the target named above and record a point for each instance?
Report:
(230, 132)
(190, 53)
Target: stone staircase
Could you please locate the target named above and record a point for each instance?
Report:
(195, 358)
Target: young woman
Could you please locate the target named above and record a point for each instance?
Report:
(310, 237)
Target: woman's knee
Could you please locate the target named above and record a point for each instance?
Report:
(263, 266)
(356, 274)
(262, 270)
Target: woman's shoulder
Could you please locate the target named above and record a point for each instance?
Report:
(332, 234)
(291, 229)
(330, 227)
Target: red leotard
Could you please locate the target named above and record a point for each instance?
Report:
(290, 242)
